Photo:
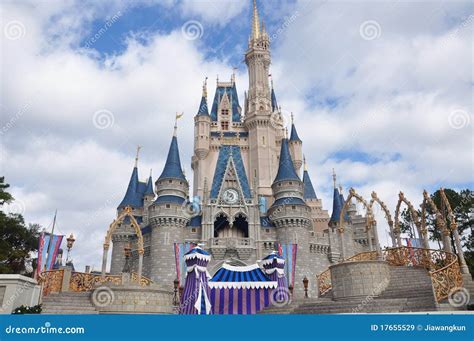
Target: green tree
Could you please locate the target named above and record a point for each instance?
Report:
(17, 240)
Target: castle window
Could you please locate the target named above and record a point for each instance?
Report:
(168, 205)
(291, 182)
(293, 207)
(194, 230)
(170, 181)
(225, 111)
(225, 125)
(267, 230)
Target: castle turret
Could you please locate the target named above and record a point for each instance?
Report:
(296, 147)
(168, 217)
(290, 214)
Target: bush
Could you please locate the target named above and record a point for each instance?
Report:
(24, 309)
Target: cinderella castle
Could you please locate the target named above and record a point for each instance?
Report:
(252, 191)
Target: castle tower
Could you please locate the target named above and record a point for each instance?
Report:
(290, 214)
(319, 216)
(148, 198)
(124, 232)
(202, 137)
(262, 130)
(168, 217)
(296, 147)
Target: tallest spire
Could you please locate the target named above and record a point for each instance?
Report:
(255, 22)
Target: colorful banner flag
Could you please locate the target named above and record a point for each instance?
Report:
(45, 258)
(289, 252)
(179, 251)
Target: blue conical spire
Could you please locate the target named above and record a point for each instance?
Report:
(274, 100)
(149, 187)
(309, 192)
(173, 164)
(336, 207)
(294, 134)
(286, 169)
(203, 109)
(132, 197)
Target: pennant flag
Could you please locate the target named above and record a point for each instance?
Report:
(289, 253)
(45, 258)
(179, 250)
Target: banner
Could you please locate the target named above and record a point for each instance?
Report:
(289, 253)
(179, 250)
(45, 259)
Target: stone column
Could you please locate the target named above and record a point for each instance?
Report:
(446, 241)
(377, 243)
(140, 265)
(104, 259)
(341, 237)
(462, 260)
(369, 237)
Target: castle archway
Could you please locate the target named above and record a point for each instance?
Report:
(238, 228)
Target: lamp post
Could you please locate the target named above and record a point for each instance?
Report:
(305, 285)
(70, 243)
(175, 296)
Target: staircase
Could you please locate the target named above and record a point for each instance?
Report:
(409, 290)
(68, 303)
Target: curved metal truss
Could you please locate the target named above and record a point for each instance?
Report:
(440, 223)
(388, 216)
(414, 216)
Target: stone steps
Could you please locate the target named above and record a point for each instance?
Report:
(70, 303)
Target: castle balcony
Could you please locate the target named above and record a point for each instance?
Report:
(242, 246)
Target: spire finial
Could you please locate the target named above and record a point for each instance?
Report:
(151, 171)
(334, 177)
(136, 156)
(233, 74)
(177, 117)
(271, 80)
(305, 166)
(340, 188)
(292, 118)
(255, 22)
(204, 88)
(286, 132)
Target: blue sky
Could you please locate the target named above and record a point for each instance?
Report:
(381, 92)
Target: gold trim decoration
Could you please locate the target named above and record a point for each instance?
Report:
(52, 281)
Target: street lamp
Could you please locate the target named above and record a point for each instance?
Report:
(305, 285)
(70, 243)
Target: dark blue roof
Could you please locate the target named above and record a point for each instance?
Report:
(149, 187)
(173, 164)
(286, 169)
(146, 229)
(274, 101)
(337, 204)
(294, 134)
(169, 199)
(309, 192)
(233, 98)
(288, 201)
(225, 153)
(273, 255)
(255, 274)
(133, 197)
(203, 110)
(195, 221)
(197, 249)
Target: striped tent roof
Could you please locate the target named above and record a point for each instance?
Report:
(269, 259)
(197, 252)
(251, 276)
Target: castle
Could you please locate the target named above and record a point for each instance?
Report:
(250, 192)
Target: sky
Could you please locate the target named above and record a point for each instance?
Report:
(380, 91)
